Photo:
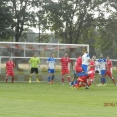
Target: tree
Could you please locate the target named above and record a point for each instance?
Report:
(5, 20)
(70, 19)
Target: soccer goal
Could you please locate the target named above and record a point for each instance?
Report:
(21, 52)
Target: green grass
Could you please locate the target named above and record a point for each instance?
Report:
(44, 100)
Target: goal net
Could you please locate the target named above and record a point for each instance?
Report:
(21, 52)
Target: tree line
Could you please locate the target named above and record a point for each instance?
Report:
(90, 22)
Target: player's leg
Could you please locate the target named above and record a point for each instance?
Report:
(49, 76)
(37, 74)
(103, 77)
(12, 74)
(7, 75)
(109, 73)
(68, 75)
(52, 76)
(31, 72)
(62, 75)
(52, 79)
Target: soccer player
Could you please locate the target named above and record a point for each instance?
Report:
(92, 64)
(85, 61)
(108, 69)
(10, 65)
(34, 64)
(77, 68)
(65, 70)
(51, 68)
(86, 80)
(102, 63)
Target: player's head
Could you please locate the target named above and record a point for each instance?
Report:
(101, 55)
(10, 59)
(94, 57)
(96, 72)
(66, 54)
(52, 55)
(35, 55)
(107, 57)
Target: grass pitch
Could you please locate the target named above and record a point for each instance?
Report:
(44, 100)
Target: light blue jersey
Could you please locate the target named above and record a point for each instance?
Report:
(51, 63)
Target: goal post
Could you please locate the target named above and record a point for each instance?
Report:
(21, 52)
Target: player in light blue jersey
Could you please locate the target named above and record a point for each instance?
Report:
(85, 61)
(51, 68)
(102, 64)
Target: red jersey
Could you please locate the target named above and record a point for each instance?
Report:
(79, 61)
(92, 67)
(91, 74)
(10, 66)
(109, 64)
(64, 62)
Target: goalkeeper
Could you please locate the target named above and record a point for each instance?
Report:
(34, 64)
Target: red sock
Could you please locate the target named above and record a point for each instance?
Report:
(113, 80)
(63, 80)
(6, 79)
(68, 78)
(12, 79)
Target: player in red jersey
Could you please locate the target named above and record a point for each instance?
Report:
(92, 64)
(83, 80)
(65, 68)
(108, 69)
(10, 69)
(78, 66)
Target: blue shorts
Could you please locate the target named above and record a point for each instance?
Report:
(103, 72)
(51, 70)
(85, 67)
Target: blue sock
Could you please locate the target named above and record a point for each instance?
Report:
(101, 80)
(104, 80)
(53, 77)
(48, 78)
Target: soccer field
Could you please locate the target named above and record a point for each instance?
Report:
(56, 100)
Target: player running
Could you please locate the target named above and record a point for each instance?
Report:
(34, 64)
(51, 68)
(10, 65)
(65, 67)
(108, 69)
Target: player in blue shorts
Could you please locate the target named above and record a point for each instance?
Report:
(51, 68)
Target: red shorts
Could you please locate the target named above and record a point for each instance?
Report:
(10, 73)
(64, 71)
(108, 72)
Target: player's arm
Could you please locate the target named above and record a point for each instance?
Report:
(30, 62)
(6, 67)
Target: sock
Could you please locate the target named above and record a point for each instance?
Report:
(36, 76)
(12, 80)
(68, 77)
(62, 79)
(101, 80)
(6, 79)
(30, 77)
(48, 78)
(113, 80)
(52, 77)
(104, 80)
